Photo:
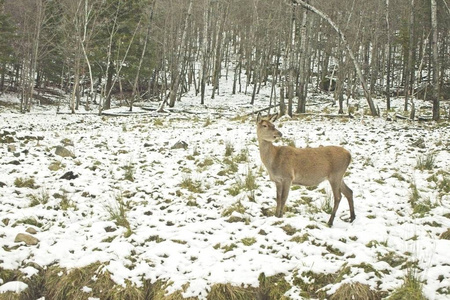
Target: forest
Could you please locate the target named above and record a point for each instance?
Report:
(132, 163)
(157, 50)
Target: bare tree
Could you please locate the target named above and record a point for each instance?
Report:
(373, 110)
(436, 101)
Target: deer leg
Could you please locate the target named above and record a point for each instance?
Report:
(286, 185)
(279, 186)
(337, 198)
(348, 193)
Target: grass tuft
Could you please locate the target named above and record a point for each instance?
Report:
(411, 288)
(355, 291)
(129, 171)
(194, 186)
(41, 197)
(426, 162)
(118, 214)
(20, 182)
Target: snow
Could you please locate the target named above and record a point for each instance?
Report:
(194, 244)
(13, 286)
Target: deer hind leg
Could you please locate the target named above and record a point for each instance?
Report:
(336, 188)
(348, 193)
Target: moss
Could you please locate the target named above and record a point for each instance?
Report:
(248, 241)
(289, 229)
(311, 284)
(393, 259)
(273, 287)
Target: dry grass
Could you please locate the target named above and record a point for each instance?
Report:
(355, 291)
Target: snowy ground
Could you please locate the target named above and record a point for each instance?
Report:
(211, 235)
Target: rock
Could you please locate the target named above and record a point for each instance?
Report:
(5, 221)
(110, 229)
(420, 143)
(7, 139)
(63, 152)
(180, 145)
(14, 162)
(27, 239)
(12, 148)
(54, 166)
(31, 230)
(6, 132)
(67, 142)
(2, 184)
(69, 176)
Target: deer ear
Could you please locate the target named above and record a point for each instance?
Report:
(258, 118)
(273, 118)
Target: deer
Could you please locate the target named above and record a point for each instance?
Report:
(288, 165)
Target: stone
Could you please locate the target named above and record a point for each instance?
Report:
(69, 176)
(63, 152)
(180, 145)
(31, 230)
(12, 148)
(27, 239)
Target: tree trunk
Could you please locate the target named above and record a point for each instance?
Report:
(181, 50)
(389, 55)
(410, 65)
(109, 85)
(301, 106)
(373, 110)
(436, 100)
(135, 92)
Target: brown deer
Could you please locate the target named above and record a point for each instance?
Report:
(302, 166)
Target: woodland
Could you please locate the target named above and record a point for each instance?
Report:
(90, 51)
(130, 166)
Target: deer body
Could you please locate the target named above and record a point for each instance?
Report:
(303, 166)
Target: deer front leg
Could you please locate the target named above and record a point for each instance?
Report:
(279, 186)
(282, 195)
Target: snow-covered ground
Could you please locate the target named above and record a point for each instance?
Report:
(213, 235)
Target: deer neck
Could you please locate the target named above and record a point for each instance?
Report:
(267, 151)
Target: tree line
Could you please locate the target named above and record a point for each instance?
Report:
(159, 49)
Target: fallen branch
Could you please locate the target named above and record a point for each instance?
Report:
(263, 109)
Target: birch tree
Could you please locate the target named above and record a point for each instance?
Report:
(373, 110)
(434, 28)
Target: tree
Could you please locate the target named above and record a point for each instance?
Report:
(436, 103)
(373, 110)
